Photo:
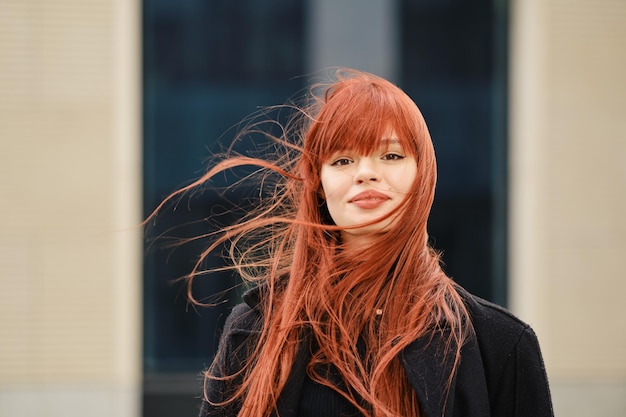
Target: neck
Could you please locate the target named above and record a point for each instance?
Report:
(353, 242)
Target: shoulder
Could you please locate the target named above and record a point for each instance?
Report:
(508, 352)
(492, 320)
(240, 334)
(243, 319)
(502, 338)
(246, 318)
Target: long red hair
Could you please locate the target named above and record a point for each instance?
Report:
(291, 246)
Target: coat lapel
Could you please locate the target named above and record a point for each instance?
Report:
(428, 370)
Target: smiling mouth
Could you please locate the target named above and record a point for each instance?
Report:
(369, 199)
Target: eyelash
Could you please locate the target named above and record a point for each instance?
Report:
(392, 157)
(385, 157)
(341, 162)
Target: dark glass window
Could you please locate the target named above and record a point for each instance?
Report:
(454, 67)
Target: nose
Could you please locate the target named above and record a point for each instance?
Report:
(366, 172)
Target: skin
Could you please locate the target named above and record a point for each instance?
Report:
(362, 188)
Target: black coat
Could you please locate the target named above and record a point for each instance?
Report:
(501, 373)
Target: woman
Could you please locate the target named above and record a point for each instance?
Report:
(352, 314)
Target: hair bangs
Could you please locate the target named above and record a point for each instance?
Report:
(361, 115)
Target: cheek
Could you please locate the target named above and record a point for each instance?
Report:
(403, 179)
(331, 186)
(328, 183)
(324, 183)
(330, 196)
(410, 178)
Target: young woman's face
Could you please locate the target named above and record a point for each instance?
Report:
(362, 188)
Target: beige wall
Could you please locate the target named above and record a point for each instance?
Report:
(568, 194)
(69, 206)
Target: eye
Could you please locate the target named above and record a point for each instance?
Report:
(341, 162)
(391, 156)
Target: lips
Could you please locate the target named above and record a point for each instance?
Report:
(369, 199)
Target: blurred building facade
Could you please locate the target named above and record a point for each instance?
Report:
(71, 286)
